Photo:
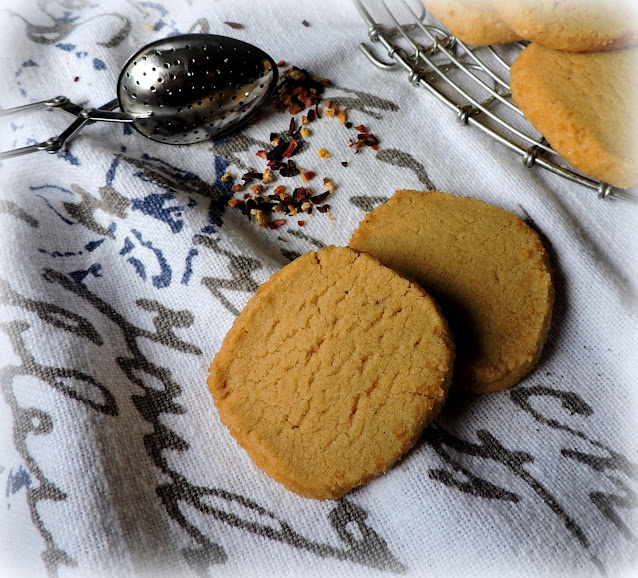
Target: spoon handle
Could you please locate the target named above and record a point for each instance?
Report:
(83, 116)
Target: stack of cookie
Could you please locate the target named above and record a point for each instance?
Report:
(576, 81)
(339, 361)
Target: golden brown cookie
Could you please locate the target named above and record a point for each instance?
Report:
(331, 372)
(585, 105)
(473, 21)
(484, 265)
(573, 25)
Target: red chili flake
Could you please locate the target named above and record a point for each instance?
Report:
(361, 128)
(309, 175)
(262, 154)
(234, 25)
(281, 64)
(293, 125)
(291, 148)
(246, 196)
(301, 223)
(276, 223)
(323, 208)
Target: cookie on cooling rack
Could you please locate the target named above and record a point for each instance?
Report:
(331, 372)
(585, 105)
(484, 265)
(573, 25)
(473, 21)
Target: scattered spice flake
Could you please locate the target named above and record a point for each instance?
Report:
(227, 177)
(308, 176)
(250, 175)
(257, 189)
(323, 208)
(261, 218)
(75, 79)
(342, 116)
(344, 163)
(292, 147)
(276, 223)
(280, 190)
(348, 125)
(301, 223)
(323, 153)
(234, 25)
(318, 199)
(262, 154)
(328, 185)
(268, 176)
(281, 64)
(361, 128)
(305, 23)
(292, 126)
(149, 27)
(233, 202)
(312, 115)
(304, 132)
(237, 188)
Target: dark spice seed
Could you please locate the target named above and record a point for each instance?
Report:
(348, 124)
(276, 153)
(234, 25)
(323, 208)
(291, 128)
(344, 163)
(312, 115)
(250, 175)
(305, 23)
(317, 199)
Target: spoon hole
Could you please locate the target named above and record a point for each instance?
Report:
(188, 47)
(233, 97)
(261, 86)
(166, 65)
(153, 89)
(159, 80)
(199, 102)
(172, 77)
(143, 57)
(127, 75)
(190, 106)
(177, 62)
(154, 68)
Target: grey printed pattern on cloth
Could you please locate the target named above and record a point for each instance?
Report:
(122, 267)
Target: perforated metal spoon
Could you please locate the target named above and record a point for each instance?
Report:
(179, 90)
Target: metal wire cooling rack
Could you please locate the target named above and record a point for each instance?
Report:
(472, 81)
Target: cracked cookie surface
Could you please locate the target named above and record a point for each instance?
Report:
(485, 266)
(332, 370)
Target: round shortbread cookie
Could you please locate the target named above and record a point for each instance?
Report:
(573, 25)
(476, 22)
(484, 265)
(585, 105)
(332, 370)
